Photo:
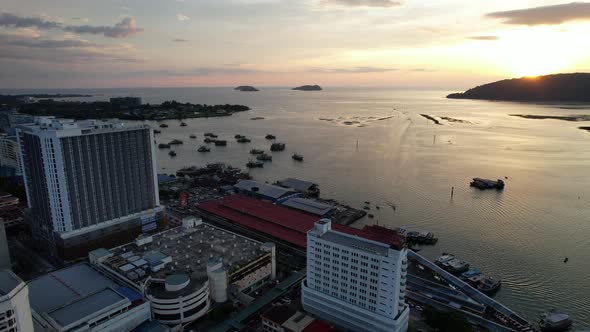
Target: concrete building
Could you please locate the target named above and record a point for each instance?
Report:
(79, 298)
(355, 283)
(10, 162)
(10, 118)
(182, 269)
(15, 312)
(5, 262)
(89, 183)
(10, 210)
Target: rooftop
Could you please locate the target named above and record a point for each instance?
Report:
(308, 205)
(279, 314)
(264, 189)
(297, 184)
(8, 281)
(181, 251)
(50, 123)
(356, 242)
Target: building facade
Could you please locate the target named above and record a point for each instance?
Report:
(88, 183)
(15, 312)
(355, 283)
(9, 156)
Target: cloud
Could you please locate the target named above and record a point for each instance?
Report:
(489, 38)
(545, 15)
(181, 17)
(354, 70)
(9, 20)
(363, 3)
(50, 43)
(125, 28)
(180, 40)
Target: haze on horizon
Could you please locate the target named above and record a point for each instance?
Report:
(408, 43)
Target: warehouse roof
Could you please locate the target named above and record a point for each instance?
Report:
(264, 189)
(297, 184)
(309, 206)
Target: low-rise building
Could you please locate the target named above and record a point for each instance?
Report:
(79, 298)
(10, 162)
(182, 269)
(309, 206)
(282, 318)
(264, 191)
(15, 312)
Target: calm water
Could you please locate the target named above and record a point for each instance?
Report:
(522, 233)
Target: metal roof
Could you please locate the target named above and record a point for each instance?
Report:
(308, 205)
(264, 189)
(297, 184)
(8, 281)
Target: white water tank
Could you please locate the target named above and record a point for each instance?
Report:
(217, 275)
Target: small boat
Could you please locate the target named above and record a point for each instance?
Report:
(256, 151)
(472, 277)
(487, 184)
(255, 164)
(277, 147)
(156, 131)
(220, 142)
(443, 259)
(183, 124)
(297, 157)
(270, 136)
(422, 237)
(175, 142)
(163, 146)
(367, 202)
(163, 125)
(212, 135)
(244, 139)
(203, 148)
(456, 266)
(370, 216)
(238, 136)
(554, 321)
(172, 153)
(366, 207)
(193, 136)
(264, 157)
(209, 140)
(489, 284)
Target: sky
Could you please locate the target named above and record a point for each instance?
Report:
(447, 44)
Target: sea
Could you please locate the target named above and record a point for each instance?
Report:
(373, 144)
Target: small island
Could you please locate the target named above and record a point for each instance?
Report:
(308, 88)
(105, 110)
(573, 87)
(246, 88)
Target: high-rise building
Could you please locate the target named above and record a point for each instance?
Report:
(10, 163)
(89, 184)
(5, 262)
(355, 283)
(15, 311)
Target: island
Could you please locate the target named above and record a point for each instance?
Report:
(105, 110)
(246, 88)
(308, 88)
(573, 87)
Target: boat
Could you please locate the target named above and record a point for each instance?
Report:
(163, 146)
(472, 277)
(277, 147)
(487, 184)
(220, 142)
(456, 266)
(209, 140)
(175, 142)
(255, 164)
(297, 157)
(444, 259)
(212, 135)
(163, 125)
(554, 321)
(193, 136)
(156, 131)
(489, 284)
(264, 157)
(172, 153)
(183, 124)
(238, 136)
(203, 148)
(370, 216)
(270, 136)
(256, 151)
(421, 237)
(244, 139)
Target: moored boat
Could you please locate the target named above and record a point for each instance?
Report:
(163, 125)
(456, 266)
(297, 157)
(489, 284)
(264, 157)
(277, 147)
(220, 142)
(193, 136)
(156, 131)
(183, 124)
(163, 146)
(175, 142)
(255, 164)
(243, 139)
(256, 151)
(270, 136)
(203, 148)
(555, 321)
(172, 153)
(209, 140)
(212, 135)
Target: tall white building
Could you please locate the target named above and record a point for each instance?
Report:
(15, 311)
(355, 283)
(89, 184)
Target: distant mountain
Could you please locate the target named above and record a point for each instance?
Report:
(308, 88)
(573, 87)
(245, 88)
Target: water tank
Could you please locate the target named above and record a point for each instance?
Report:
(217, 275)
(176, 282)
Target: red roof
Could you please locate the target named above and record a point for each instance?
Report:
(280, 222)
(318, 326)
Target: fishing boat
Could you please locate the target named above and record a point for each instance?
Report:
(203, 148)
(220, 142)
(456, 266)
(156, 131)
(270, 136)
(555, 321)
(297, 157)
(255, 164)
(443, 259)
(172, 153)
(264, 157)
(209, 140)
(489, 284)
(163, 125)
(183, 124)
(244, 139)
(175, 142)
(472, 277)
(212, 135)
(163, 146)
(193, 136)
(256, 151)
(238, 136)
(277, 147)
(487, 184)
